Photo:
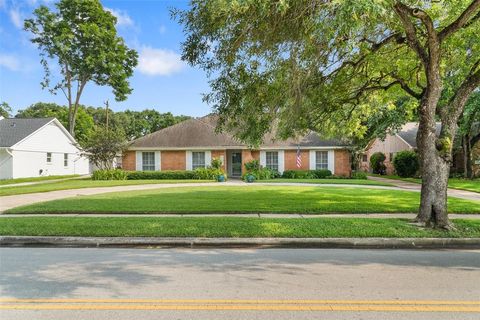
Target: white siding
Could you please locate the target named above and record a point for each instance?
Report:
(208, 158)
(263, 158)
(6, 165)
(30, 155)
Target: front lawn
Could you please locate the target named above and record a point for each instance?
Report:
(227, 227)
(330, 181)
(246, 199)
(36, 179)
(82, 183)
(454, 183)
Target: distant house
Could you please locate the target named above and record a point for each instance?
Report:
(406, 139)
(193, 143)
(38, 147)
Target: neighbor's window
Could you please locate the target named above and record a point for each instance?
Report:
(148, 161)
(321, 160)
(49, 157)
(65, 159)
(272, 160)
(390, 157)
(364, 158)
(198, 160)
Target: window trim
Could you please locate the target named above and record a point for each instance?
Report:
(49, 157)
(148, 166)
(199, 165)
(274, 155)
(321, 165)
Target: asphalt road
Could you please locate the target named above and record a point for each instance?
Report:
(41, 283)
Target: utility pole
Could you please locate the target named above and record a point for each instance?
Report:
(106, 113)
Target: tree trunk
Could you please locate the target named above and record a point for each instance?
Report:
(467, 151)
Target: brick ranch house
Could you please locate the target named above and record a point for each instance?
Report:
(193, 143)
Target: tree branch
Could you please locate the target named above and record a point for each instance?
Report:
(403, 84)
(405, 13)
(462, 20)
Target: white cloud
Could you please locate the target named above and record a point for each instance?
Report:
(159, 62)
(10, 62)
(123, 19)
(16, 17)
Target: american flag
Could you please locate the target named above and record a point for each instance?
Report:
(299, 158)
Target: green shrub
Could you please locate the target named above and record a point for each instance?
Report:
(253, 168)
(112, 174)
(359, 175)
(163, 175)
(321, 173)
(406, 163)
(307, 174)
(216, 163)
(208, 173)
(376, 163)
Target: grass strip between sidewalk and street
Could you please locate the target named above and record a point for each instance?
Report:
(228, 227)
(246, 199)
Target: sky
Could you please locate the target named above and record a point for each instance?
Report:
(161, 80)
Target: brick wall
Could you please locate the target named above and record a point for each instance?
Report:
(173, 160)
(342, 163)
(291, 159)
(249, 155)
(218, 154)
(128, 161)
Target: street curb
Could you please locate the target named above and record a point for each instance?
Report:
(146, 242)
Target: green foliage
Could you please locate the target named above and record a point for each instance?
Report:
(216, 163)
(307, 174)
(110, 174)
(163, 175)
(103, 146)
(376, 163)
(5, 110)
(254, 169)
(81, 36)
(253, 165)
(359, 175)
(406, 163)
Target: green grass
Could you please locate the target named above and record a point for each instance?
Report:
(246, 199)
(226, 227)
(35, 179)
(454, 183)
(329, 181)
(82, 183)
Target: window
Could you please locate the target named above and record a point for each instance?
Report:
(148, 161)
(65, 159)
(198, 160)
(390, 157)
(321, 160)
(272, 160)
(364, 158)
(49, 157)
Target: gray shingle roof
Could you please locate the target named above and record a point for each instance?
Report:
(409, 132)
(200, 132)
(13, 130)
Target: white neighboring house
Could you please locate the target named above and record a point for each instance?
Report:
(37, 147)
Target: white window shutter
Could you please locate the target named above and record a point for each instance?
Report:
(331, 161)
(263, 159)
(157, 161)
(313, 159)
(281, 161)
(138, 161)
(208, 158)
(188, 160)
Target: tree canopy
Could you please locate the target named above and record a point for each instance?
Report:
(82, 38)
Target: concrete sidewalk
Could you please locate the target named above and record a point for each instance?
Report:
(411, 186)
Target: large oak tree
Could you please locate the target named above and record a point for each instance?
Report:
(82, 38)
(331, 65)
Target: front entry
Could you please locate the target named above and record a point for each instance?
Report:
(236, 163)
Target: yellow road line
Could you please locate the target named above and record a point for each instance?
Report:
(242, 301)
(332, 307)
